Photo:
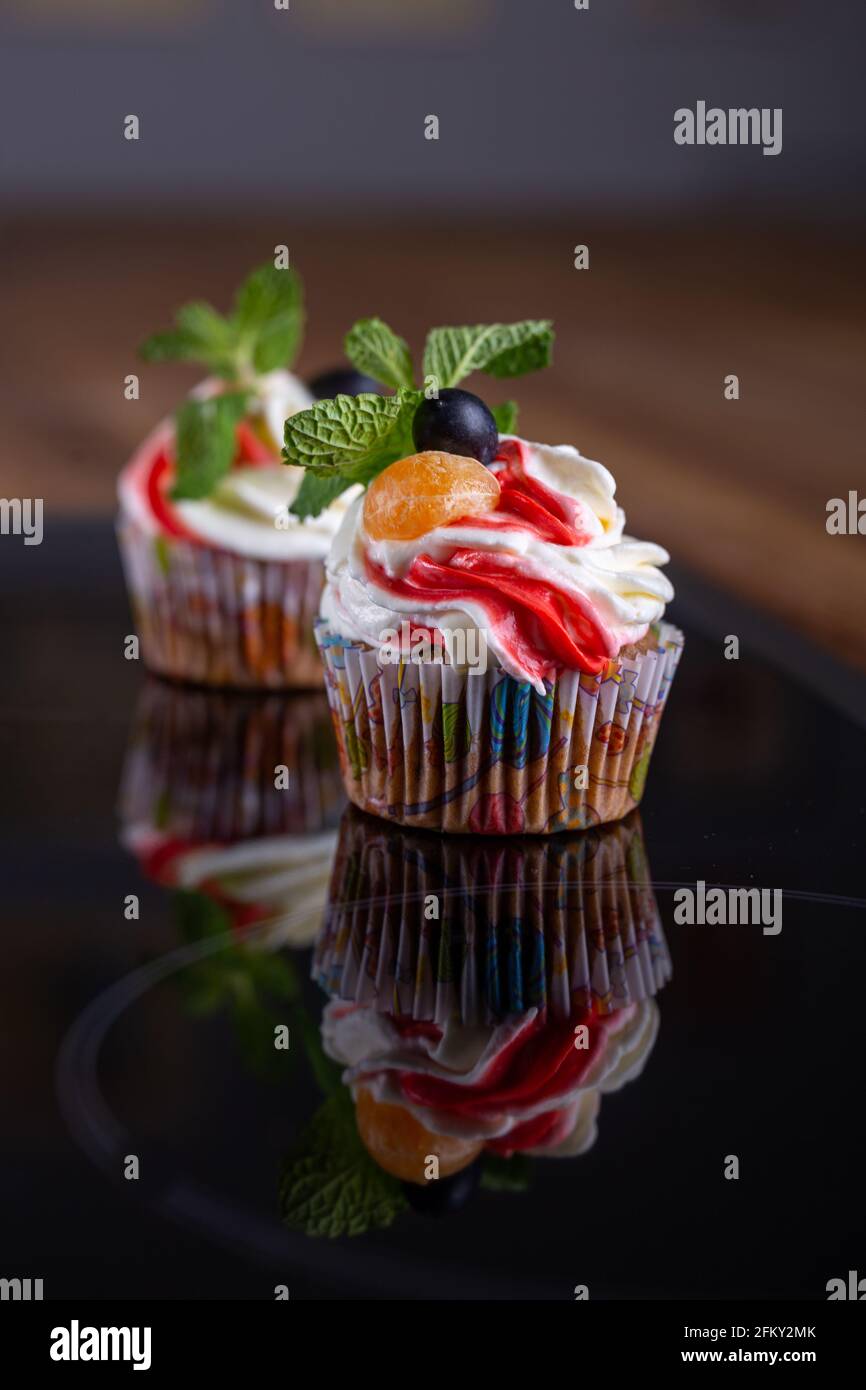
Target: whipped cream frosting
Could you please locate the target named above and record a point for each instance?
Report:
(611, 578)
(377, 1057)
(285, 876)
(248, 512)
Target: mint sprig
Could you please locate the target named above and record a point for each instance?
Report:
(351, 439)
(257, 989)
(330, 1185)
(500, 349)
(205, 443)
(374, 348)
(316, 493)
(344, 441)
(201, 335)
(505, 416)
(351, 429)
(269, 318)
(505, 1174)
(263, 331)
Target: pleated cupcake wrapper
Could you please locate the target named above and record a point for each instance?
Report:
(558, 924)
(201, 765)
(207, 616)
(442, 748)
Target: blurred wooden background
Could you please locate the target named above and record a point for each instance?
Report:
(737, 490)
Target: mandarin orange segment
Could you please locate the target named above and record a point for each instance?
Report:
(417, 493)
(401, 1145)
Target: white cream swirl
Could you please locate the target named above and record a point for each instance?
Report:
(248, 511)
(377, 1057)
(612, 576)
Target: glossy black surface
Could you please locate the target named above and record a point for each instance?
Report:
(108, 1050)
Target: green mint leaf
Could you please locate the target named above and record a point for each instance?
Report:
(340, 431)
(317, 492)
(162, 550)
(253, 1024)
(375, 349)
(505, 1174)
(330, 1185)
(502, 349)
(206, 443)
(262, 333)
(201, 335)
(353, 436)
(505, 416)
(269, 318)
(199, 916)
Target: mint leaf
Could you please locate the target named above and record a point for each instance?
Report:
(199, 916)
(201, 335)
(330, 1185)
(262, 333)
(206, 443)
(502, 349)
(505, 416)
(237, 978)
(317, 492)
(375, 349)
(505, 1174)
(354, 437)
(268, 320)
(340, 431)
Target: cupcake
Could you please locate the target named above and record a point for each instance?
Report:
(234, 800)
(224, 580)
(492, 1026)
(496, 656)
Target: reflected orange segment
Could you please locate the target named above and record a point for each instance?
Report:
(402, 1146)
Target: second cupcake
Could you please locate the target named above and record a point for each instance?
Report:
(224, 581)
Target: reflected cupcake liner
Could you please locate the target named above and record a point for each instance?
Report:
(201, 765)
(429, 746)
(476, 929)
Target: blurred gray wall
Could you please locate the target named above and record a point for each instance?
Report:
(539, 105)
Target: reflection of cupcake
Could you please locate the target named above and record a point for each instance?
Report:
(224, 581)
(441, 929)
(206, 765)
(521, 1087)
(486, 993)
(495, 654)
(235, 798)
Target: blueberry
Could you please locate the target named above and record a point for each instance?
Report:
(342, 381)
(456, 423)
(440, 1196)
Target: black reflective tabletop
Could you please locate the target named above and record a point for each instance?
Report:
(225, 1004)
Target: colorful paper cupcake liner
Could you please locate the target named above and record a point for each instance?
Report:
(428, 745)
(214, 618)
